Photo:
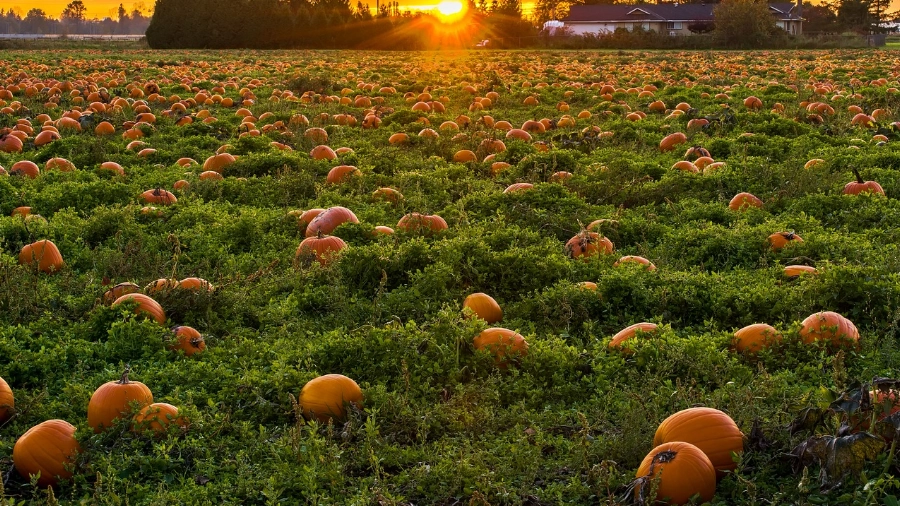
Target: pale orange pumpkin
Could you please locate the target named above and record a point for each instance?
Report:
(146, 306)
(484, 306)
(44, 254)
(503, 344)
(324, 398)
(156, 417)
(753, 338)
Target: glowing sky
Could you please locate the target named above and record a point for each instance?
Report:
(95, 8)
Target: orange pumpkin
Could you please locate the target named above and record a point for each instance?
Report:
(324, 398)
(218, 162)
(321, 248)
(587, 244)
(114, 399)
(156, 417)
(158, 196)
(306, 217)
(195, 285)
(670, 141)
(189, 340)
(744, 200)
(629, 332)
(330, 219)
(792, 271)
(46, 449)
(113, 166)
(7, 401)
(683, 471)
(25, 168)
(59, 163)
(779, 240)
(389, 194)
(44, 254)
(146, 306)
(428, 223)
(710, 430)
(860, 186)
(517, 187)
(754, 338)
(341, 174)
(504, 344)
(484, 306)
(829, 326)
(635, 260)
(119, 290)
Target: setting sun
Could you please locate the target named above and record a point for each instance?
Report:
(450, 11)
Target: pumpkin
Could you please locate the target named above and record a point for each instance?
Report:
(46, 449)
(119, 290)
(683, 471)
(670, 141)
(211, 175)
(484, 306)
(587, 285)
(46, 137)
(779, 240)
(324, 398)
(158, 196)
(710, 430)
(754, 338)
(829, 326)
(428, 223)
(322, 152)
(860, 186)
(306, 217)
(195, 285)
(388, 194)
(161, 285)
(744, 200)
(189, 340)
(217, 163)
(587, 244)
(753, 103)
(465, 156)
(341, 174)
(330, 219)
(145, 306)
(22, 211)
(156, 417)
(629, 332)
(516, 187)
(44, 254)
(10, 144)
(635, 260)
(382, 230)
(503, 344)
(59, 163)
(114, 399)
(792, 271)
(7, 401)
(321, 248)
(113, 166)
(25, 168)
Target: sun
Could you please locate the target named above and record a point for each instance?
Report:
(450, 10)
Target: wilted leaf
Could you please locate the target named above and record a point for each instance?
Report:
(885, 385)
(808, 419)
(852, 400)
(838, 457)
(756, 439)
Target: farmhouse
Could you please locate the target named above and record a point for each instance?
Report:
(674, 18)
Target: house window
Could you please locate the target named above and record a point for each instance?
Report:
(646, 26)
(673, 25)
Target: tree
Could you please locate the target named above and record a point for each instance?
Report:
(745, 24)
(820, 18)
(36, 21)
(123, 14)
(75, 11)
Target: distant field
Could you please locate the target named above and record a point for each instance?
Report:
(568, 198)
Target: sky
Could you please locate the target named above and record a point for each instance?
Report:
(95, 8)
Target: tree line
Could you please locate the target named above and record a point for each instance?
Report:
(326, 24)
(73, 20)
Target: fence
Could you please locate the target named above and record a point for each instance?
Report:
(76, 36)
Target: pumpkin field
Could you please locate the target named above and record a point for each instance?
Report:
(449, 278)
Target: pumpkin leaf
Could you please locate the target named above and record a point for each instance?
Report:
(853, 400)
(839, 457)
(808, 419)
(757, 440)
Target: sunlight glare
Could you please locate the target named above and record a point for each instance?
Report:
(449, 8)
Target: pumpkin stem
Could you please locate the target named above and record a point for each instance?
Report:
(664, 457)
(856, 173)
(124, 379)
(319, 234)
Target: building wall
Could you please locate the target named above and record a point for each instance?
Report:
(680, 28)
